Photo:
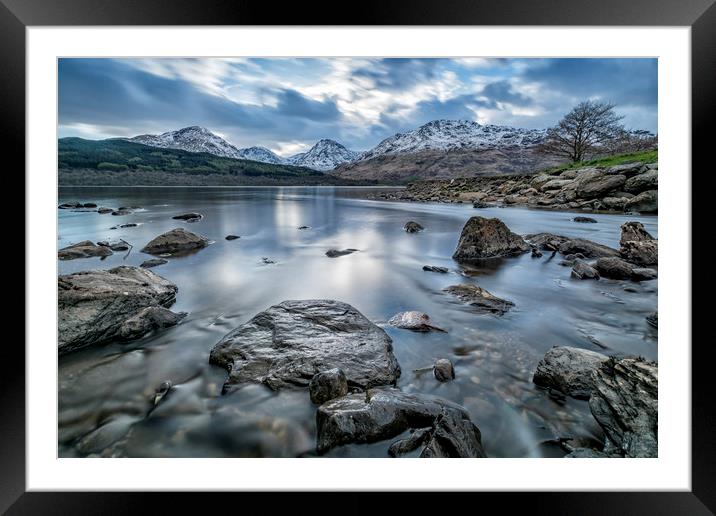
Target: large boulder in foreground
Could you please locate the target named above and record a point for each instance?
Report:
(84, 249)
(569, 370)
(624, 402)
(98, 306)
(176, 241)
(483, 238)
(287, 344)
(380, 414)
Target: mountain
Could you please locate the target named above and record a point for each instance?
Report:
(191, 139)
(324, 155)
(261, 154)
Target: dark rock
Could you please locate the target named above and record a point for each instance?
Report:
(287, 344)
(649, 180)
(483, 238)
(384, 413)
(175, 241)
(645, 202)
(634, 232)
(546, 241)
(641, 253)
(587, 248)
(624, 402)
(89, 205)
(412, 227)
(569, 370)
(69, 205)
(232, 237)
(189, 217)
(129, 225)
(334, 253)
(653, 319)
(614, 268)
(586, 453)
(536, 253)
(126, 208)
(84, 249)
(626, 169)
(480, 204)
(94, 305)
(585, 219)
(413, 442)
(582, 270)
(161, 392)
(102, 211)
(153, 262)
(148, 319)
(304, 227)
(267, 261)
(328, 385)
(597, 185)
(122, 211)
(643, 274)
(413, 320)
(443, 370)
(479, 298)
(435, 268)
(114, 245)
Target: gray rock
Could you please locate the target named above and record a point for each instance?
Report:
(104, 210)
(380, 414)
(232, 237)
(641, 253)
(122, 211)
(479, 298)
(114, 245)
(148, 319)
(634, 232)
(176, 241)
(435, 268)
(413, 442)
(335, 253)
(84, 249)
(412, 227)
(69, 205)
(483, 238)
(289, 343)
(597, 185)
(93, 305)
(626, 169)
(569, 370)
(653, 319)
(582, 270)
(189, 217)
(161, 392)
(154, 262)
(643, 274)
(328, 385)
(536, 253)
(267, 261)
(304, 227)
(585, 219)
(586, 453)
(443, 370)
(129, 225)
(587, 248)
(645, 202)
(546, 241)
(614, 268)
(639, 183)
(624, 402)
(413, 320)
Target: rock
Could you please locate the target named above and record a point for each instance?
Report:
(443, 370)
(643, 274)
(587, 248)
(568, 174)
(645, 202)
(582, 270)
(569, 370)
(89, 205)
(641, 253)
(634, 232)
(334, 253)
(383, 413)
(626, 169)
(189, 217)
(126, 208)
(536, 253)
(93, 305)
(304, 227)
(586, 453)
(413, 320)
(555, 184)
(161, 392)
(546, 241)
(129, 225)
(69, 205)
(103, 210)
(84, 249)
(267, 261)
(614, 203)
(232, 237)
(122, 211)
(413, 442)
(287, 344)
(585, 219)
(653, 319)
(639, 183)
(176, 241)
(624, 402)
(483, 238)
(412, 227)
(148, 319)
(480, 204)
(479, 298)
(614, 268)
(153, 262)
(597, 185)
(328, 385)
(435, 268)
(114, 245)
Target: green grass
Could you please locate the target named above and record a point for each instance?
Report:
(651, 156)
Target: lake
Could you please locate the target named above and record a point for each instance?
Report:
(104, 390)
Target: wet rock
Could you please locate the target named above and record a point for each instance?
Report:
(634, 232)
(129, 225)
(148, 319)
(412, 442)
(435, 268)
(93, 305)
(624, 402)
(443, 370)
(114, 245)
(104, 210)
(328, 385)
(289, 343)
(585, 219)
(536, 253)
(627, 169)
(649, 180)
(70, 205)
(479, 298)
(587, 248)
(483, 238)
(154, 262)
(232, 237)
(304, 227)
(480, 204)
(189, 217)
(176, 241)
(569, 370)
(614, 268)
(84, 249)
(161, 392)
(412, 227)
(89, 205)
(546, 241)
(380, 414)
(335, 253)
(582, 270)
(586, 453)
(645, 202)
(267, 261)
(413, 320)
(643, 274)
(641, 253)
(122, 211)
(653, 319)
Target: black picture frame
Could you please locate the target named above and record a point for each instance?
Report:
(700, 15)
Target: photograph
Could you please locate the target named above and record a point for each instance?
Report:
(357, 257)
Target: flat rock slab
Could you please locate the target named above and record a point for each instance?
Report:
(94, 305)
(479, 298)
(287, 344)
(569, 370)
(383, 413)
(484, 238)
(84, 249)
(154, 262)
(189, 217)
(176, 241)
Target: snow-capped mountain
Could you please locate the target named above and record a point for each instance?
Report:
(324, 155)
(444, 135)
(191, 139)
(261, 154)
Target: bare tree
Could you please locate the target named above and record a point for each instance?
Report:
(589, 126)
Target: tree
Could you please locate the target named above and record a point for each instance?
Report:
(589, 126)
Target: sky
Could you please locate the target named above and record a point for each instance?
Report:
(287, 104)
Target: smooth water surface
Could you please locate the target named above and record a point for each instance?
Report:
(105, 391)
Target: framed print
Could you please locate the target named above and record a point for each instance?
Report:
(272, 253)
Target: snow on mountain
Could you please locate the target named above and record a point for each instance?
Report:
(191, 139)
(444, 135)
(261, 154)
(324, 155)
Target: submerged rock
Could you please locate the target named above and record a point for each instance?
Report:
(232, 237)
(582, 270)
(287, 344)
(122, 211)
(69, 205)
(412, 227)
(189, 217)
(569, 370)
(413, 320)
(148, 319)
(328, 385)
(176, 241)
(94, 305)
(479, 298)
(334, 253)
(154, 262)
(84, 249)
(304, 227)
(435, 268)
(585, 219)
(624, 402)
(443, 370)
(380, 414)
(653, 319)
(104, 210)
(483, 238)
